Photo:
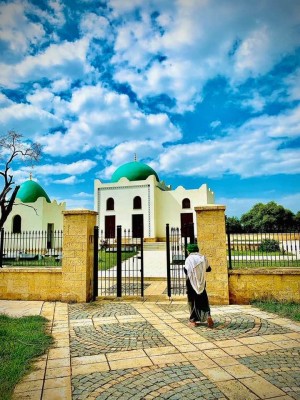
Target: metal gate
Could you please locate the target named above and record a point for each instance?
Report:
(118, 264)
(176, 243)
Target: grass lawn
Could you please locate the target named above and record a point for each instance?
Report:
(44, 262)
(108, 259)
(268, 264)
(21, 341)
(285, 309)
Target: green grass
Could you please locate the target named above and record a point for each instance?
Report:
(108, 259)
(268, 264)
(258, 253)
(285, 309)
(44, 262)
(21, 341)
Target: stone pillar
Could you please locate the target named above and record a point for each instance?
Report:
(77, 261)
(211, 238)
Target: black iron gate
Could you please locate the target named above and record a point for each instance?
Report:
(118, 264)
(176, 243)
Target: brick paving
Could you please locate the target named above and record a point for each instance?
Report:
(147, 350)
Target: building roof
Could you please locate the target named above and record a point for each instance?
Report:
(30, 191)
(133, 171)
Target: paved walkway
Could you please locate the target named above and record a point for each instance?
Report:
(146, 350)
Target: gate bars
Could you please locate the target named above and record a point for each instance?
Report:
(119, 264)
(176, 244)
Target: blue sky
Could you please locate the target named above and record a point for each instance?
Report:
(204, 91)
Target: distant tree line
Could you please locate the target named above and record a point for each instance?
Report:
(269, 217)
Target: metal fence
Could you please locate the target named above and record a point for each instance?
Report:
(120, 264)
(260, 250)
(177, 241)
(31, 248)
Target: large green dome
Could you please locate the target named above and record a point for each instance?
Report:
(133, 171)
(30, 191)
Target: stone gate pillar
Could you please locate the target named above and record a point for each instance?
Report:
(77, 261)
(211, 238)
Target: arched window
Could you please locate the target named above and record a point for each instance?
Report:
(110, 204)
(16, 228)
(137, 203)
(186, 203)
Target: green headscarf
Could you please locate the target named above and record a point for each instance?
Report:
(192, 248)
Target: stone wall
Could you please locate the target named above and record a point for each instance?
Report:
(31, 284)
(73, 282)
(278, 284)
(211, 238)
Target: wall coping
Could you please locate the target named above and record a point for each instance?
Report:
(79, 212)
(259, 271)
(210, 207)
(50, 270)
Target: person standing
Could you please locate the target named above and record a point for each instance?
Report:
(195, 268)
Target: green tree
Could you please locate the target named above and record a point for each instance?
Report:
(267, 218)
(12, 148)
(233, 225)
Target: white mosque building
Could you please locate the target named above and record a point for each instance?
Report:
(137, 200)
(34, 211)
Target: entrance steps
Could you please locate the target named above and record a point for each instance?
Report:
(154, 246)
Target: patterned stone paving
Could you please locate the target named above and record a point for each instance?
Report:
(170, 381)
(279, 367)
(127, 289)
(99, 310)
(90, 340)
(237, 326)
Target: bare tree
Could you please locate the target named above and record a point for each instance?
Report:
(13, 146)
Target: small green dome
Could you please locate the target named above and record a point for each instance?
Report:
(133, 171)
(30, 191)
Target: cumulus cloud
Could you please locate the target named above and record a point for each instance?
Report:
(67, 59)
(99, 125)
(254, 149)
(70, 180)
(168, 56)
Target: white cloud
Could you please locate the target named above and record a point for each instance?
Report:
(70, 180)
(251, 150)
(255, 102)
(99, 125)
(67, 59)
(17, 31)
(26, 119)
(242, 41)
(215, 124)
(94, 26)
(293, 85)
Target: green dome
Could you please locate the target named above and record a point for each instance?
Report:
(133, 171)
(30, 191)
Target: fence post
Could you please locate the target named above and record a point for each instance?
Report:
(142, 264)
(211, 236)
(119, 261)
(1, 246)
(229, 251)
(168, 259)
(96, 257)
(78, 255)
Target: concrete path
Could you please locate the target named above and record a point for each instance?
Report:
(146, 350)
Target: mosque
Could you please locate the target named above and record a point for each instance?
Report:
(135, 198)
(34, 211)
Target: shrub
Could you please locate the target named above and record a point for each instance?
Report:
(269, 245)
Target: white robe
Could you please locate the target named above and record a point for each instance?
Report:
(196, 265)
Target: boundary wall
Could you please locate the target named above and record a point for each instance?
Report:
(73, 281)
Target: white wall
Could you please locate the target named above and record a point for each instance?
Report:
(36, 216)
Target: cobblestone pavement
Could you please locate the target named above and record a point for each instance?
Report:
(147, 350)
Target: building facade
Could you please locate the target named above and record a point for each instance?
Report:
(34, 211)
(137, 200)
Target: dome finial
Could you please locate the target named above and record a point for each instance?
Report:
(135, 157)
(30, 176)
